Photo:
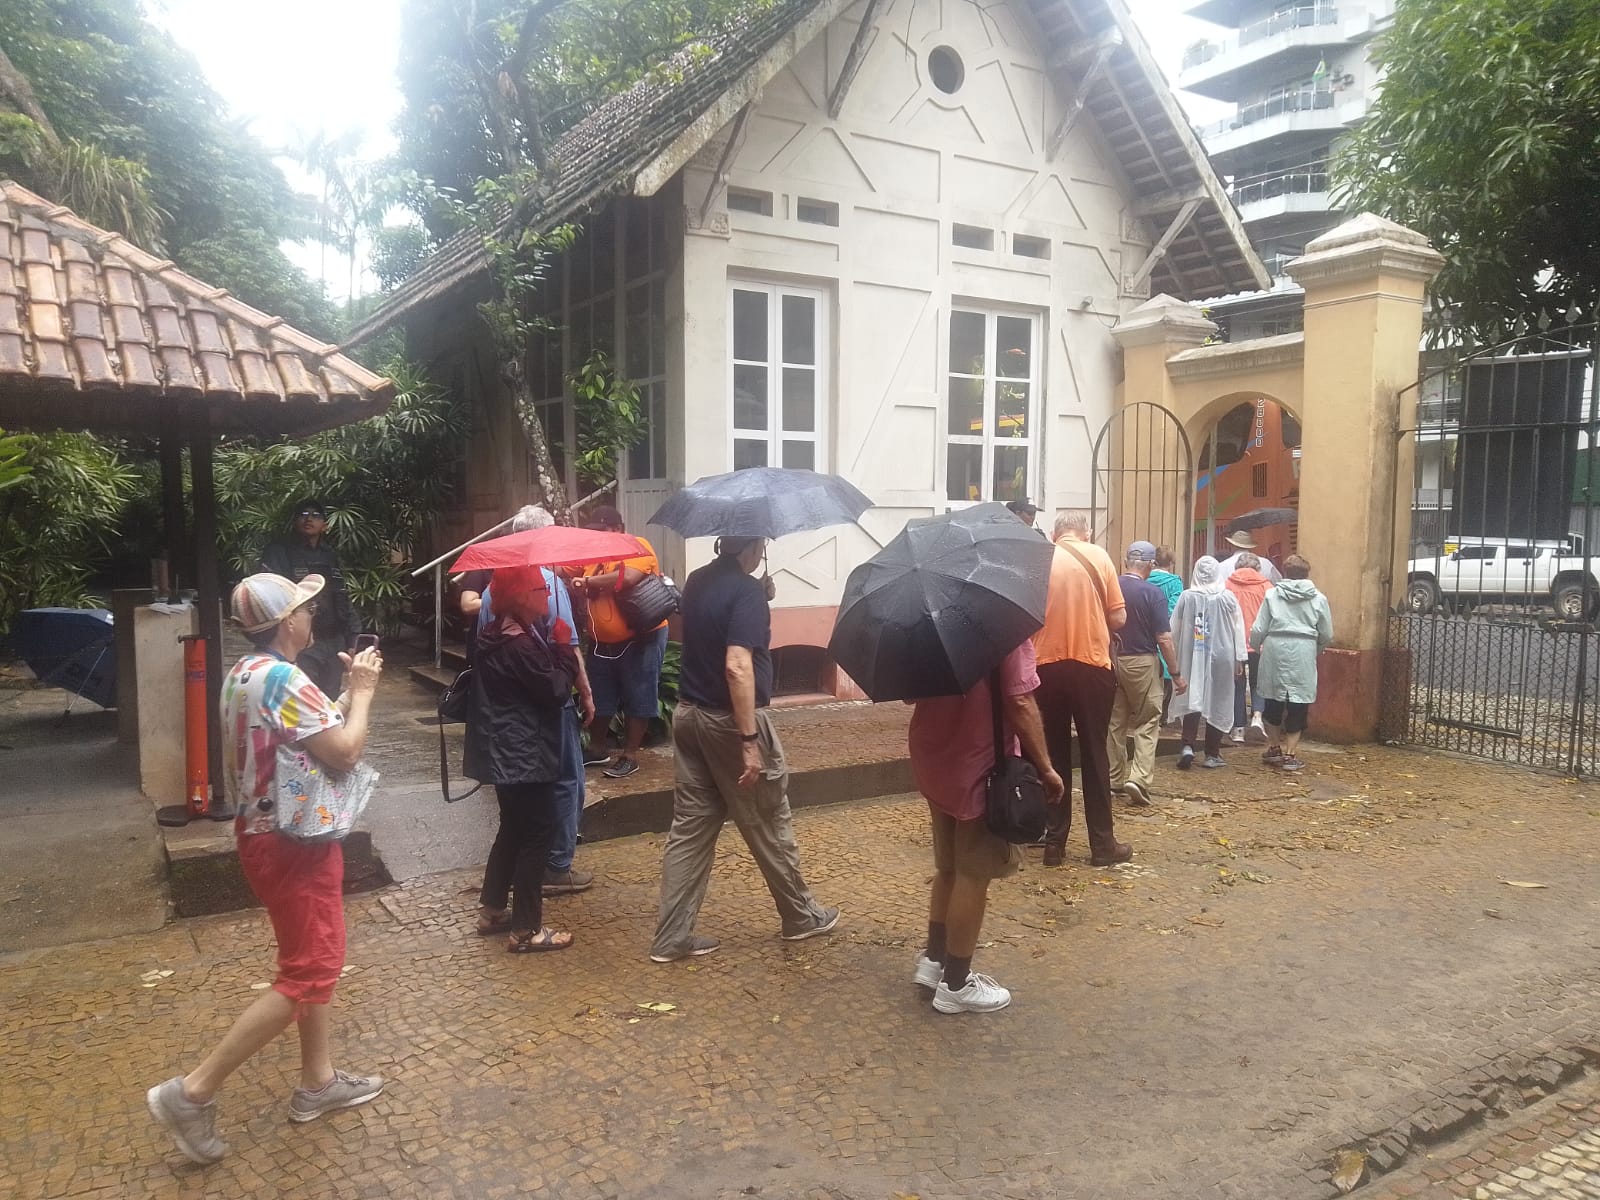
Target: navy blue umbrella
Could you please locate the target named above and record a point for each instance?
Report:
(70, 648)
(765, 502)
(941, 605)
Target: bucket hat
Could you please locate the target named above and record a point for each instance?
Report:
(261, 601)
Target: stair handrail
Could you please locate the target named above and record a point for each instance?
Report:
(437, 567)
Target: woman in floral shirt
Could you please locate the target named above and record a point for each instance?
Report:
(268, 702)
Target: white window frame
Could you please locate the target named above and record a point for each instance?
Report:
(991, 315)
(775, 434)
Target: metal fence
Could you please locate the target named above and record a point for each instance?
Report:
(1494, 649)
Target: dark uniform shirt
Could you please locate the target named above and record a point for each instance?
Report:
(336, 624)
(723, 606)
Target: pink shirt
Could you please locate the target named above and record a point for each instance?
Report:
(952, 738)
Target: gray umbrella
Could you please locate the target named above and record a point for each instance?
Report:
(765, 502)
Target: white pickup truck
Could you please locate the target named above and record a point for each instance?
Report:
(1471, 571)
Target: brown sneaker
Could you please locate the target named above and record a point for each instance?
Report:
(1055, 856)
(565, 883)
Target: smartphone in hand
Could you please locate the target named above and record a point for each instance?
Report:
(366, 641)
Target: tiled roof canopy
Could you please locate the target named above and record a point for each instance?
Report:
(605, 153)
(96, 333)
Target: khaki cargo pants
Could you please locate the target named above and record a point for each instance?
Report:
(710, 758)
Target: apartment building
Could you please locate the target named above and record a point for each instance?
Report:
(1299, 75)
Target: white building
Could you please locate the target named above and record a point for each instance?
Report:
(882, 238)
(1299, 75)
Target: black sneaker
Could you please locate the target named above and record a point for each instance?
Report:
(595, 758)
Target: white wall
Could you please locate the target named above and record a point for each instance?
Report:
(903, 163)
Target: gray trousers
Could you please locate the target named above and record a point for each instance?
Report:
(709, 759)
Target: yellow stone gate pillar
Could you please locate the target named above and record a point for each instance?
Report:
(1146, 496)
(1364, 283)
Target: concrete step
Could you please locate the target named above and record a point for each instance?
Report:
(433, 679)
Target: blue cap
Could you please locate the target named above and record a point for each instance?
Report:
(1141, 552)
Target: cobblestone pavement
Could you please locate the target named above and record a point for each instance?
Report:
(1550, 1152)
(1288, 965)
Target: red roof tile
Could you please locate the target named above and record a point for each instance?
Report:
(97, 333)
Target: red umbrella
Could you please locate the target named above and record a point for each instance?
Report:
(552, 546)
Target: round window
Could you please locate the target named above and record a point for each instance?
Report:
(946, 70)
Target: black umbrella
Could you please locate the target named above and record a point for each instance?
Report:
(941, 606)
(761, 502)
(1262, 517)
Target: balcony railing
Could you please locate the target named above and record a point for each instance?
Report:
(1435, 413)
(1284, 183)
(1303, 100)
(1432, 499)
(1302, 16)
(1277, 265)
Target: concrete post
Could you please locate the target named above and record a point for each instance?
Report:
(123, 603)
(158, 681)
(1146, 499)
(1364, 283)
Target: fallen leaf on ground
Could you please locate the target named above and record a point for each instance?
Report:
(776, 1018)
(1493, 912)
(1523, 883)
(1211, 921)
(1348, 1170)
(259, 987)
(658, 1006)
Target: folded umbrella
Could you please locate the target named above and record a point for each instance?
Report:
(1262, 517)
(552, 546)
(941, 605)
(763, 502)
(70, 648)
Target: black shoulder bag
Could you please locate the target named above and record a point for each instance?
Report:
(1014, 804)
(454, 704)
(648, 603)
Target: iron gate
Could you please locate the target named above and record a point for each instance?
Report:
(1494, 649)
(1142, 484)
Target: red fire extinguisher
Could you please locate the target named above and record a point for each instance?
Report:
(196, 768)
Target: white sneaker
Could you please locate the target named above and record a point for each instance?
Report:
(978, 994)
(1258, 729)
(1236, 736)
(929, 973)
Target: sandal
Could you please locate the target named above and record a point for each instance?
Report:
(540, 942)
(489, 925)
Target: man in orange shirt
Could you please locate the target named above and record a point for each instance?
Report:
(625, 664)
(1077, 684)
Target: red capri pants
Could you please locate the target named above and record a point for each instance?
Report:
(302, 886)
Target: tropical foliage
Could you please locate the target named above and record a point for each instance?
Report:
(1486, 138)
(383, 481)
(57, 517)
(610, 419)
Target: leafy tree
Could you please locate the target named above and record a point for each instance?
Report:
(1486, 138)
(489, 84)
(384, 480)
(57, 518)
(101, 111)
(397, 251)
